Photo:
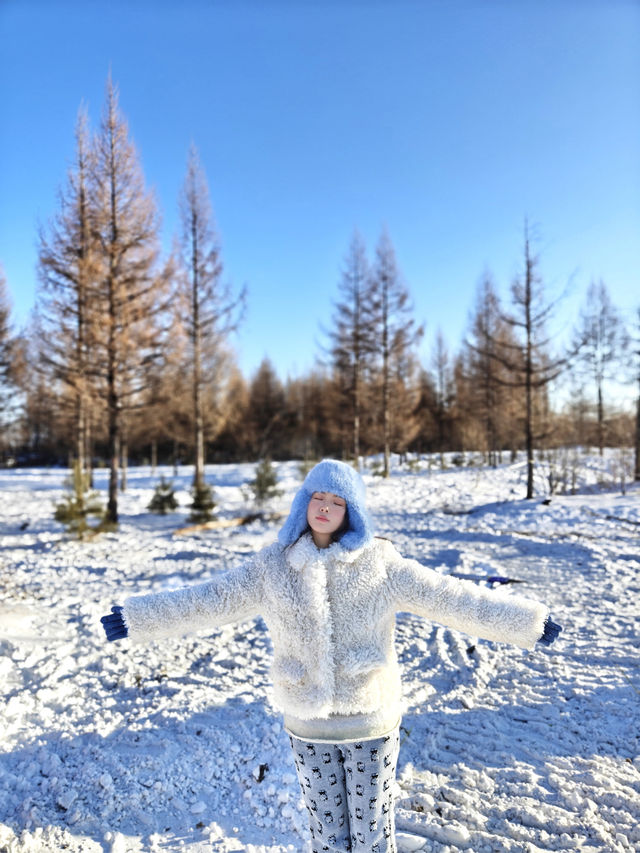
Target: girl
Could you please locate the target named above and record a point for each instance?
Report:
(329, 592)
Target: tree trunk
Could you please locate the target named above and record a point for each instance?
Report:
(385, 401)
(637, 467)
(529, 376)
(114, 453)
(88, 447)
(198, 474)
(600, 421)
(386, 427)
(124, 461)
(356, 412)
(113, 418)
(80, 432)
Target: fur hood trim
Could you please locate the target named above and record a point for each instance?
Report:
(305, 553)
(340, 479)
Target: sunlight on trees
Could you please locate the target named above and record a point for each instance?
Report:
(129, 354)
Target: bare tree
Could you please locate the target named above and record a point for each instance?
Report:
(213, 311)
(488, 336)
(5, 332)
(601, 341)
(636, 347)
(353, 335)
(8, 345)
(443, 385)
(67, 271)
(396, 332)
(131, 285)
(426, 435)
(530, 368)
(314, 412)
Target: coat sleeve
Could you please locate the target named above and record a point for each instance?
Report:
(232, 596)
(463, 605)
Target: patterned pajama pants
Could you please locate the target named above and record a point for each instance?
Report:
(348, 790)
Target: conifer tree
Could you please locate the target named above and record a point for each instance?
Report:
(443, 372)
(7, 363)
(353, 336)
(213, 312)
(265, 484)
(267, 410)
(425, 409)
(396, 332)
(635, 342)
(601, 342)
(132, 286)
(488, 396)
(68, 271)
(530, 366)
(5, 334)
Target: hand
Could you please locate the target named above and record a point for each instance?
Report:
(550, 633)
(113, 624)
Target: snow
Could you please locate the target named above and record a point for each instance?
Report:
(174, 746)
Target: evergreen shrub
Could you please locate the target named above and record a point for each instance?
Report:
(265, 485)
(203, 503)
(164, 498)
(80, 503)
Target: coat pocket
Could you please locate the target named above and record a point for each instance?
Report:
(361, 660)
(288, 670)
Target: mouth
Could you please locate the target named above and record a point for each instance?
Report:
(322, 518)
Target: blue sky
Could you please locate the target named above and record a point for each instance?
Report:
(446, 122)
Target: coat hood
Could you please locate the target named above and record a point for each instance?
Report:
(339, 479)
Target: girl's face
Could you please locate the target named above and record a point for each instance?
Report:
(325, 514)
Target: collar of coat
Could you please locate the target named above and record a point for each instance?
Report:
(303, 553)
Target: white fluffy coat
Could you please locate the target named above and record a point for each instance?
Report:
(331, 616)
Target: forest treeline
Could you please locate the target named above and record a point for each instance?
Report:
(129, 354)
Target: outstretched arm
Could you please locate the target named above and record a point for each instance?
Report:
(230, 597)
(465, 606)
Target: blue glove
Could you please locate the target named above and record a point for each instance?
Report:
(114, 626)
(550, 633)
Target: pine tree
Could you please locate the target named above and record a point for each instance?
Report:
(443, 373)
(7, 364)
(635, 342)
(6, 343)
(67, 297)
(265, 484)
(79, 504)
(164, 498)
(530, 366)
(488, 400)
(131, 286)
(353, 336)
(601, 343)
(267, 410)
(396, 333)
(213, 311)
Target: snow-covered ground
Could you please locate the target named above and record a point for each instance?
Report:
(174, 746)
